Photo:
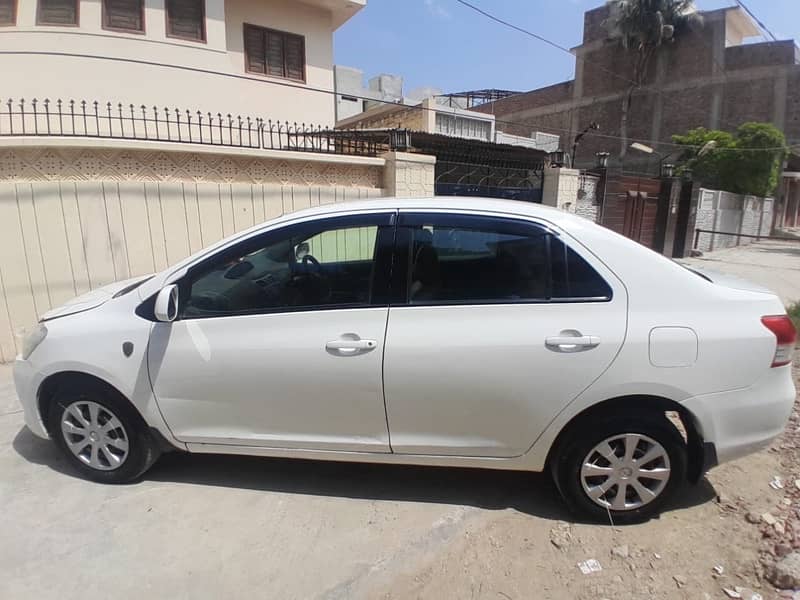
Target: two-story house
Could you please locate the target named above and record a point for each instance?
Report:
(261, 58)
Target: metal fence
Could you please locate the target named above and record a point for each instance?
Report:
(93, 119)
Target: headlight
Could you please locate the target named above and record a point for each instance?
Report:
(32, 339)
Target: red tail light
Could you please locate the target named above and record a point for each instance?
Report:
(786, 334)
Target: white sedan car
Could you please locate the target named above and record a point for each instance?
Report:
(463, 332)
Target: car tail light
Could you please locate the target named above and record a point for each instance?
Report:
(786, 334)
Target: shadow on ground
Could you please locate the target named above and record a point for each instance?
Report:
(529, 493)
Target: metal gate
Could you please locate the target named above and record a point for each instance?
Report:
(468, 179)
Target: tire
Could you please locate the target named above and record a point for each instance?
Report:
(122, 453)
(580, 467)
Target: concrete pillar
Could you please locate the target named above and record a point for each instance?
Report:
(429, 115)
(409, 175)
(560, 188)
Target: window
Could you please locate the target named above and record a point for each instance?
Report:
(57, 12)
(465, 259)
(325, 264)
(186, 19)
(123, 15)
(8, 12)
(573, 277)
(274, 53)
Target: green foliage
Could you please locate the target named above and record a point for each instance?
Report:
(759, 171)
(735, 163)
(794, 314)
(714, 168)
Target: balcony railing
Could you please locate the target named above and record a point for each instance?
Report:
(92, 119)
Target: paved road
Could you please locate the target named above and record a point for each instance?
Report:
(775, 265)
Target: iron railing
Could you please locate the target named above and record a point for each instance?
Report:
(93, 119)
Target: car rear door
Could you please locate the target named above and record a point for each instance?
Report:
(496, 325)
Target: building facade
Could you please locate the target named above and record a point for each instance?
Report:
(707, 78)
(257, 58)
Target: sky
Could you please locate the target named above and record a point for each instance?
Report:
(443, 44)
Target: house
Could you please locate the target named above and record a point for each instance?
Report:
(708, 78)
(381, 104)
(257, 58)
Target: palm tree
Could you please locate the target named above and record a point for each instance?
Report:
(643, 27)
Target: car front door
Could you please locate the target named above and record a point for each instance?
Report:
(279, 340)
(496, 325)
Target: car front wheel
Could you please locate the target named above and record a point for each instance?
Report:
(102, 436)
(621, 469)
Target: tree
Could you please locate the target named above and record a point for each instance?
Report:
(643, 27)
(748, 162)
(714, 168)
(759, 170)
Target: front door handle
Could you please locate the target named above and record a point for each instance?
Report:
(572, 343)
(350, 344)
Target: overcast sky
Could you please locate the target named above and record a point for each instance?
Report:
(443, 44)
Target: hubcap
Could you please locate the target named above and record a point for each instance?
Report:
(625, 472)
(94, 435)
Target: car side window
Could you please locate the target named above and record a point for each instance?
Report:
(573, 278)
(477, 262)
(321, 264)
(458, 259)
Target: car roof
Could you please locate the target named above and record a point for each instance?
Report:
(454, 203)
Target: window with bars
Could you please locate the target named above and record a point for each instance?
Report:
(186, 19)
(274, 53)
(8, 12)
(124, 15)
(57, 12)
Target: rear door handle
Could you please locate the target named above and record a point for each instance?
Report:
(349, 345)
(567, 343)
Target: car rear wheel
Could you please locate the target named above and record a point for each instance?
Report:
(621, 468)
(102, 436)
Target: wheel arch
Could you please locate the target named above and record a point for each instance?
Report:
(700, 455)
(76, 379)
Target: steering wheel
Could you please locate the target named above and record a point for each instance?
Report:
(310, 259)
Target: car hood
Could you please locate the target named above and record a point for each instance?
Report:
(91, 299)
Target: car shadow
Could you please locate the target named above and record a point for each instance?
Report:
(529, 493)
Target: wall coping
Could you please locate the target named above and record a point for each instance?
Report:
(115, 144)
(409, 157)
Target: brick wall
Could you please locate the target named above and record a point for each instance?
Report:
(593, 28)
(748, 101)
(608, 69)
(552, 94)
(759, 55)
(692, 58)
(692, 54)
(685, 110)
(792, 124)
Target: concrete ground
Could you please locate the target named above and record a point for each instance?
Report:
(773, 264)
(223, 526)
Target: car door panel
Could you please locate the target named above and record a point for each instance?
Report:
(479, 380)
(268, 380)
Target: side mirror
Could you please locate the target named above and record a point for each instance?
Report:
(166, 308)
